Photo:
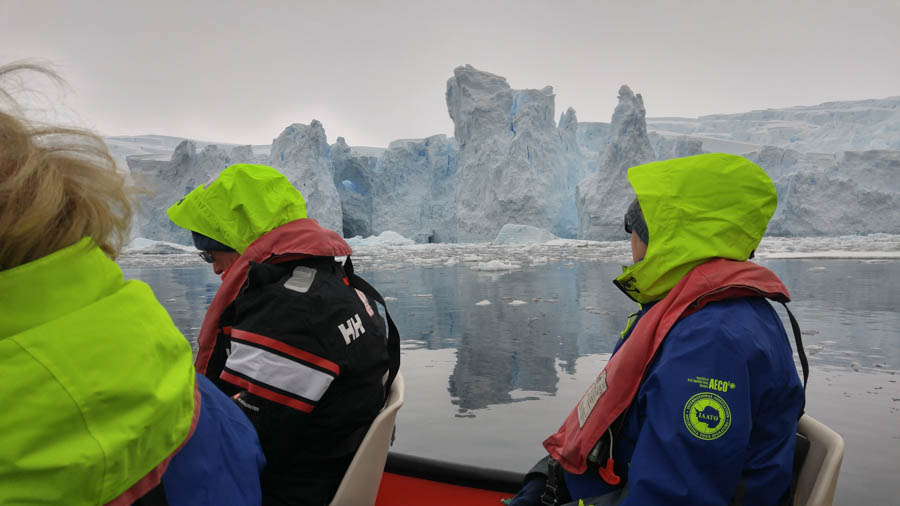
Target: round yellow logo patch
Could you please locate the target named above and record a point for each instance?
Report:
(707, 416)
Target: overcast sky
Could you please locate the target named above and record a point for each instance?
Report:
(376, 71)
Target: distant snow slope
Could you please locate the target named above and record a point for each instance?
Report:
(858, 125)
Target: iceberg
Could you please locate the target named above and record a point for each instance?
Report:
(144, 246)
(495, 266)
(519, 235)
(388, 238)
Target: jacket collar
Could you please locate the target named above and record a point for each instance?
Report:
(55, 285)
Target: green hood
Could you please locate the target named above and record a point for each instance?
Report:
(97, 381)
(240, 205)
(696, 208)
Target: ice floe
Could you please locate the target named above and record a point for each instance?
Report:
(391, 251)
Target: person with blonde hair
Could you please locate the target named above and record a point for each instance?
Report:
(102, 404)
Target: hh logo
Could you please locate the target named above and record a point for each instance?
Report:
(352, 329)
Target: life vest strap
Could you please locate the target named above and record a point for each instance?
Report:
(555, 486)
(393, 341)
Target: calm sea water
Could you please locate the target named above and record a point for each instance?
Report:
(487, 383)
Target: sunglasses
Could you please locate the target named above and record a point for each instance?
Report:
(627, 225)
(207, 257)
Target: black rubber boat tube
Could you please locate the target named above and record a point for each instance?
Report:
(454, 474)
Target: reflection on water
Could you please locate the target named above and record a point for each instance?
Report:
(487, 383)
(506, 345)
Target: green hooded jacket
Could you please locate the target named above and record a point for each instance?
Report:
(696, 208)
(243, 203)
(98, 383)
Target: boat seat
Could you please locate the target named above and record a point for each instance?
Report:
(359, 487)
(820, 469)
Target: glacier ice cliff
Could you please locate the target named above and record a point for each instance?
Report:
(414, 183)
(836, 167)
(511, 168)
(165, 182)
(603, 196)
(845, 193)
(859, 125)
(354, 182)
(675, 147)
(579, 163)
(301, 153)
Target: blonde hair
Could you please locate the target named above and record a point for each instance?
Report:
(57, 185)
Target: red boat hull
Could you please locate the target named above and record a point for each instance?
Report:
(409, 480)
(399, 490)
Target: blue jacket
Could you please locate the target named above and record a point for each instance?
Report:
(734, 352)
(221, 462)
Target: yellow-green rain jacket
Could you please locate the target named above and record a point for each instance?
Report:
(98, 385)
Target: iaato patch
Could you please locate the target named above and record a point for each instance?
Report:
(707, 416)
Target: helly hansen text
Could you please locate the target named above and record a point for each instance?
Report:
(352, 329)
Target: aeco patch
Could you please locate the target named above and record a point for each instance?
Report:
(707, 416)
(712, 383)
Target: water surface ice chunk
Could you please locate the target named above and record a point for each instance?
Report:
(495, 265)
(375, 256)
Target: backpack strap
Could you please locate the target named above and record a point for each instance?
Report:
(804, 363)
(393, 341)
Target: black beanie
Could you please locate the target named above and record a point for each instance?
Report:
(634, 220)
(203, 243)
